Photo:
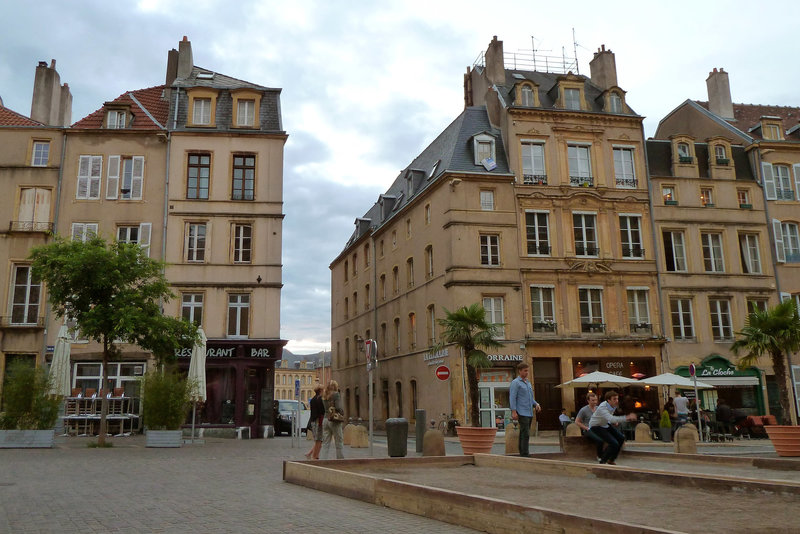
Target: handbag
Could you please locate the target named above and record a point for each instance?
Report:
(335, 416)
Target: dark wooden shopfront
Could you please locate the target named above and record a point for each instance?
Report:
(240, 382)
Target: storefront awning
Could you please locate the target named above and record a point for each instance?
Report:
(730, 380)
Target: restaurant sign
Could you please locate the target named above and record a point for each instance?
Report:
(215, 350)
(505, 357)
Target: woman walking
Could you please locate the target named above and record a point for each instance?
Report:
(315, 422)
(333, 420)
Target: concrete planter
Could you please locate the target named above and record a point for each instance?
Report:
(164, 438)
(476, 439)
(26, 439)
(785, 439)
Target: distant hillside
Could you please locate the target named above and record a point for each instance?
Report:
(316, 357)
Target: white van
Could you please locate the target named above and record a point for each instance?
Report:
(287, 410)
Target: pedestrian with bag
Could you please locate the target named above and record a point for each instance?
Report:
(522, 405)
(333, 420)
(315, 422)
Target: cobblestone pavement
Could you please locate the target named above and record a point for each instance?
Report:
(221, 486)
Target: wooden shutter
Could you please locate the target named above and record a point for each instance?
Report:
(796, 168)
(77, 231)
(27, 199)
(83, 177)
(112, 179)
(95, 172)
(90, 232)
(41, 212)
(144, 237)
(137, 180)
(769, 180)
(780, 253)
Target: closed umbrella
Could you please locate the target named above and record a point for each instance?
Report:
(59, 367)
(197, 374)
(600, 379)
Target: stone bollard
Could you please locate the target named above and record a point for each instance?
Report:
(347, 433)
(573, 430)
(359, 439)
(512, 438)
(433, 443)
(419, 428)
(686, 439)
(642, 433)
(397, 436)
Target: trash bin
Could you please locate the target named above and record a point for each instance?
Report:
(397, 436)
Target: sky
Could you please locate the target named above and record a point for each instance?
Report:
(367, 85)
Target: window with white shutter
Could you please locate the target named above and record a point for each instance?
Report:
(769, 180)
(112, 178)
(777, 230)
(89, 173)
(144, 237)
(83, 231)
(137, 178)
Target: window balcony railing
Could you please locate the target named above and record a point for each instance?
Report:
(545, 326)
(30, 226)
(670, 202)
(586, 250)
(626, 183)
(784, 194)
(723, 161)
(538, 248)
(593, 327)
(21, 322)
(686, 159)
(745, 206)
(534, 179)
(641, 328)
(793, 257)
(581, 181)
(635, 251)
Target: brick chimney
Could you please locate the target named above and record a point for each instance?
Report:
(495, 67)
(719, 93)
(185, 61)
(51, 103)
(603, 68)
(172, 67)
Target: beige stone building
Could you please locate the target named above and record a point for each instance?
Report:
(286, 374)
(30, 174)
(533, 202)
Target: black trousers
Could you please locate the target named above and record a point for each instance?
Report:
(613, 438)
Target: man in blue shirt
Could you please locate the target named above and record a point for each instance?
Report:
(522, 406)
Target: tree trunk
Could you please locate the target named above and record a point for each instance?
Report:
(779, 367)
(101, 433)
(474, 396)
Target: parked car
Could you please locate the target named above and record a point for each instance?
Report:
(286, 411)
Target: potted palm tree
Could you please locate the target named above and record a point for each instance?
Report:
(775, 332)
(468, 328)
(30, 412)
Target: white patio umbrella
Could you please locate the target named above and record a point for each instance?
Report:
(59, 367)
(197, 373)
(671, 379)
(600, 379)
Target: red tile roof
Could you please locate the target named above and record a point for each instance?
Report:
(150, 100)
(749, 115)
(12, 118)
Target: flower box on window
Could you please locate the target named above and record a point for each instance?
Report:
(670, 202)
(746, 206)
(723, 161)
(685, 159)
(545, 326)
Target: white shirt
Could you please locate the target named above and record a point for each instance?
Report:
(681, 405)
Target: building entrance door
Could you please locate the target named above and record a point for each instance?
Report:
(254, 384)
(546, 376)
(493, 385)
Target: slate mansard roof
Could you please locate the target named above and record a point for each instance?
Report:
(659, 160)
(451, 151)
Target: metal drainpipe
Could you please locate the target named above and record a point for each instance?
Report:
(43, 352)
(664, 350)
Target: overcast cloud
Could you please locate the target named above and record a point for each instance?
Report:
(367, 85)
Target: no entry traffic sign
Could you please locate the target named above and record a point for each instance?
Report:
(442, 372)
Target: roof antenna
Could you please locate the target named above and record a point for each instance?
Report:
(575, 51)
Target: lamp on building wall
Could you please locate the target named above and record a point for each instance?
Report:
(258, 279)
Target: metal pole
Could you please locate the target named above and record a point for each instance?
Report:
(369, 393)
(699, 411)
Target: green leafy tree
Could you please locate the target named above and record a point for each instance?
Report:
(114, 293)
(775, 332)
(468, 328)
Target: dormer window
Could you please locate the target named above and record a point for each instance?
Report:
(526, 94)
(246, 104)
(721, 155)
(771, 131)
(245, 112)
(115, 119)
(483, 148)
(615, 103)
(572, 99)
(684, 155)
(202, 107)
(201, 111)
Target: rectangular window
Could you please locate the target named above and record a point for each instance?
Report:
(493, 307)
(591, 309)
(712, 253)
(756, 304)
(537, 233)
(238, 315)
(412, 330)
(483, 150)
(382, 286)
(542, 309)
(242, 234)
(572, 99)
(192, 308)
(585, 234)
(195, 242)
(132, 177)
(429, 261)
(89, 170)
(743, 195)
(719, 152)
(674, 251)
(721, 327)
(115, 120)
(791, 242)
(631, 236)
(395, 280)
(706, 196)
(34, 210)
(427, 217)
(487, 200)
(244, 175)
(201, 113)
(533, 167)
(638, 310)
(199, 172)
(783, 183)
(245, 113)
(83, 231)
(25, 297)
(526, 94)
(580, 165)
(431, 324)
(682, 324)
(40, 154)
(139, 235)
(490, 249)
(410, 271)
(771, 131)
(397, 334)
(624, 173)
(751, 258)
(668, 194)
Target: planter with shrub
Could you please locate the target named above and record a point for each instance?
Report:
(165, 404)
(30, 411)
